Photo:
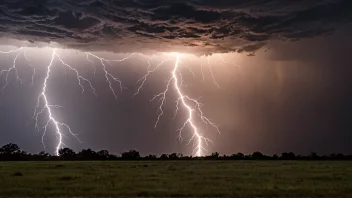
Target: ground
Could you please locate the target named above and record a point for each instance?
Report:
(176, 179)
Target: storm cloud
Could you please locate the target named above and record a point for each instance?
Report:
(172, 25)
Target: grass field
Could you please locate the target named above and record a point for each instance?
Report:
(176, 179)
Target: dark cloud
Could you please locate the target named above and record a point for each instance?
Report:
(128, 25)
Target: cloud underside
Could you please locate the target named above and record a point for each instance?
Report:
(204, 26)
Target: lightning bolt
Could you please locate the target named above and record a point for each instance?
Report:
(47, 107)
(202, 71)
(149, 72)
(197, 136)
(13, 68)
(190, 105)
(91, 63)
(30, 65)
(78, 76)
(44, 108)
(227, 62)
(212, 74)
(108, 76)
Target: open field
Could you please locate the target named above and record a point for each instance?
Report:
(176, 179)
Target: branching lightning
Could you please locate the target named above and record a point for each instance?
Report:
(212, 74)
(149, 72)
(47, 107)
(79, 77)
(109, 76)
(226, 62)
(13, 68)
(176, 79)
(44, 107)
(44, 110)
(34, 69)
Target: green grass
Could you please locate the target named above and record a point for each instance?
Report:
(176, 179)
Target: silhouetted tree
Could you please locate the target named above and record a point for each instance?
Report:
(151, 157)
(258, 156)
(103, 154)
(164, 157)
(130, 155)
(340, 156)
(67, 154)
(175, 156)
(87, 154)
(213, 156)
(9, 149)
(288, 156)
(187, 157)
(113, 157)
(238, 156)
(39, 157)
(13, 152)
(275, 157)
(314, 156)
(23, 153)
(43, 154)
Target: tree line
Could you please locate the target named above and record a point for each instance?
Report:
(12, 152)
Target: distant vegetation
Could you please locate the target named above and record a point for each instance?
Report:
(12, 152)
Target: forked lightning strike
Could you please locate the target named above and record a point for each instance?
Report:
(226, 62)
(30, 65)
(108, 75)
(187, 102)
(79, 77)
(190, 105)
(13, 68)
(149, 72)
(48, 108)
(212, 74)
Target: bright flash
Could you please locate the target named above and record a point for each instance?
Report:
(44, 110)
(190, 105)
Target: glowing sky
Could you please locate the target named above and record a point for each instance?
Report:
(293, 95)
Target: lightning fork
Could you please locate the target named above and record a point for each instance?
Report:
(13, 68)
(190, 105)
(30, 65)
(11, 51)
(197, 137)
(91, 62)
(149, 72)
(227, 62)
(46, 107)
(201, 70)
(212, 74)
(78, 76)
(108, 75)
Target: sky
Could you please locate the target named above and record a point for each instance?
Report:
(274, 76)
